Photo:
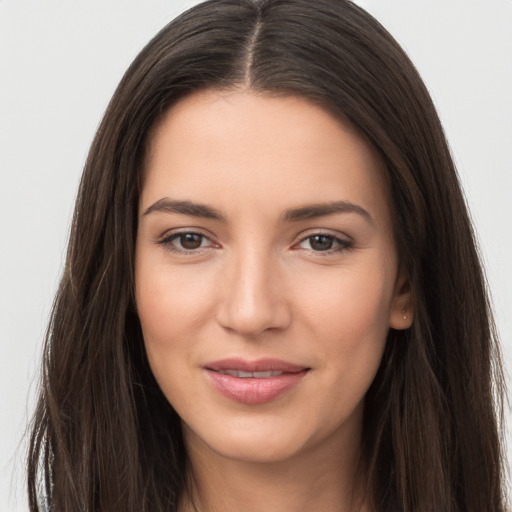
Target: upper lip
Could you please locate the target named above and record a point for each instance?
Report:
(260, 365)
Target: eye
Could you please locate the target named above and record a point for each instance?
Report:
(319, 242)
(185, 242)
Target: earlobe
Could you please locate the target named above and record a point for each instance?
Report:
(402, 309)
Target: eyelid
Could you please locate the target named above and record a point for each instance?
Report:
(166, 239)
(345, 242)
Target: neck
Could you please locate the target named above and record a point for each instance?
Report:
(321, 479)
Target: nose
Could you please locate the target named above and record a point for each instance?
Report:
(253, 295)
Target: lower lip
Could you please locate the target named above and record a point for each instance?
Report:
(254, 391)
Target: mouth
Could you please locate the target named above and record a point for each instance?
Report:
(250, 375)
(254, 382)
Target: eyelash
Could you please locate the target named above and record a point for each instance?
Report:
(167, 243)
(343, 244)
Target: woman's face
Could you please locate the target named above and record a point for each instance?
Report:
(266, 273)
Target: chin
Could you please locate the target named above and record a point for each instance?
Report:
(261, 453)
(256, 445)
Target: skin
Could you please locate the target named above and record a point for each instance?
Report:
(260, 286)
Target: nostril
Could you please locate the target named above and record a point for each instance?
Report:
(251, 299)
(254, 320)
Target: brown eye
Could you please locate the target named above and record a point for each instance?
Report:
(190, 241)
(321, 242)
(186, 242)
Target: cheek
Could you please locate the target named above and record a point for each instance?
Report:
(166, 332)
(172, 308)
(170, 301)
(351, 301)
(349, 319)
(350, 325)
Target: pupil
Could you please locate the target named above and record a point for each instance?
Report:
(321, 242)
(191, 241)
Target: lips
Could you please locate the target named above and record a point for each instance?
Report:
(246, 375)
(254, 382)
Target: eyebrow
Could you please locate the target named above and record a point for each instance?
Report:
(323, 209)
(185, 208)
(307, 212)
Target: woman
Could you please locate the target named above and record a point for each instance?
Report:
(264, 305)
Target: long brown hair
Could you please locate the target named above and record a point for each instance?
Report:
(104, 438)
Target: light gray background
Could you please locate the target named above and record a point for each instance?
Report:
(59, 64)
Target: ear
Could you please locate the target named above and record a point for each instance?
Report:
(402, 308)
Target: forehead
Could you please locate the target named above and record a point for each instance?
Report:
(248, 148)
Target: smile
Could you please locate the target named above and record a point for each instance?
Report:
(254, 383)
(248, 375)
